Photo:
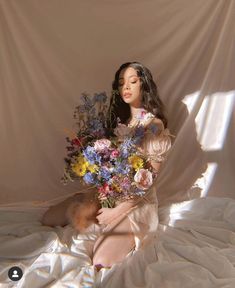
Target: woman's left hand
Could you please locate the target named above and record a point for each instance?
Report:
(106, 215)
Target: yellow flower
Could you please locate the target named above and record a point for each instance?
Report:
(80, 167)
(92, 168)
(82, 161)
(136, 162)
(80, 170)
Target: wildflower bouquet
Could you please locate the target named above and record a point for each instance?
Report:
(90, 126)
(114, 166)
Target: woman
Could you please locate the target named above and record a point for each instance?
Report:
(131, 224)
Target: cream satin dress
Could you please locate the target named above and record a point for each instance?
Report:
(156, 144)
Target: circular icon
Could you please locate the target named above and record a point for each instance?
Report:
(15, 273)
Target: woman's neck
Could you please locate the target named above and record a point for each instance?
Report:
(136, 112)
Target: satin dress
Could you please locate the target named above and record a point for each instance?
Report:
(155, 145)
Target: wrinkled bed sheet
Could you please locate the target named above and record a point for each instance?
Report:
(194, 247)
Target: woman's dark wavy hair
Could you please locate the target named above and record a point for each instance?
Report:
(150, 97)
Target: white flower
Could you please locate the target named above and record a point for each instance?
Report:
(102, 144)
(143, 179)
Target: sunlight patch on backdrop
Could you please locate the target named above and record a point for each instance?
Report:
(213, 119)
(212, 123)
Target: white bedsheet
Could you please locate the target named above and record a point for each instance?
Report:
(195, 248)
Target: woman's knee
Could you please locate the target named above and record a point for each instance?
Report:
(106, 260)
(54, 217)
(113, 249)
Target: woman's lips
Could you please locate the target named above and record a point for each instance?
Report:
(127, 95)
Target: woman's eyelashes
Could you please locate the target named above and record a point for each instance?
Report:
(132, 82)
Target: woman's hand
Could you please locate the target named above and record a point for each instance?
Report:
(107, 215)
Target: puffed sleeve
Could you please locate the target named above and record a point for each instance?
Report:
(157, 141)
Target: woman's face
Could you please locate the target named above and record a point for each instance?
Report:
(129, 87)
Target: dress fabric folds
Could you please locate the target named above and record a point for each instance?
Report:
(155, 145)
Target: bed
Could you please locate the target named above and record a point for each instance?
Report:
(194, 247)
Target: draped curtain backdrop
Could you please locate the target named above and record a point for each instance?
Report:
(52, 51)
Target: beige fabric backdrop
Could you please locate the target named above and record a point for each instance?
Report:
(51, 51)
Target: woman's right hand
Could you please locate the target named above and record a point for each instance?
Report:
(107, 215)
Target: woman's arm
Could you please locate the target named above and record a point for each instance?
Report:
(108, 215)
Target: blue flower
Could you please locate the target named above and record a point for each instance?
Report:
(90, 178)
(101, 97)
(95, 124)
(95, 127)
(122, 167)
(125, 153)
(139, 192)
(126, 148)
(105, 173)
(91, 155)
(128, 143)
(87, 102)
(139, 134)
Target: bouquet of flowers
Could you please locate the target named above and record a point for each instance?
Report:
(115, 166)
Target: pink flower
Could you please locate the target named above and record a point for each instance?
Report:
(122, 131)
(102, 144)
(114, 153)
(105, 189)
(143, 179)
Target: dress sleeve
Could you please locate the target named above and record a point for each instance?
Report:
(157, 141)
